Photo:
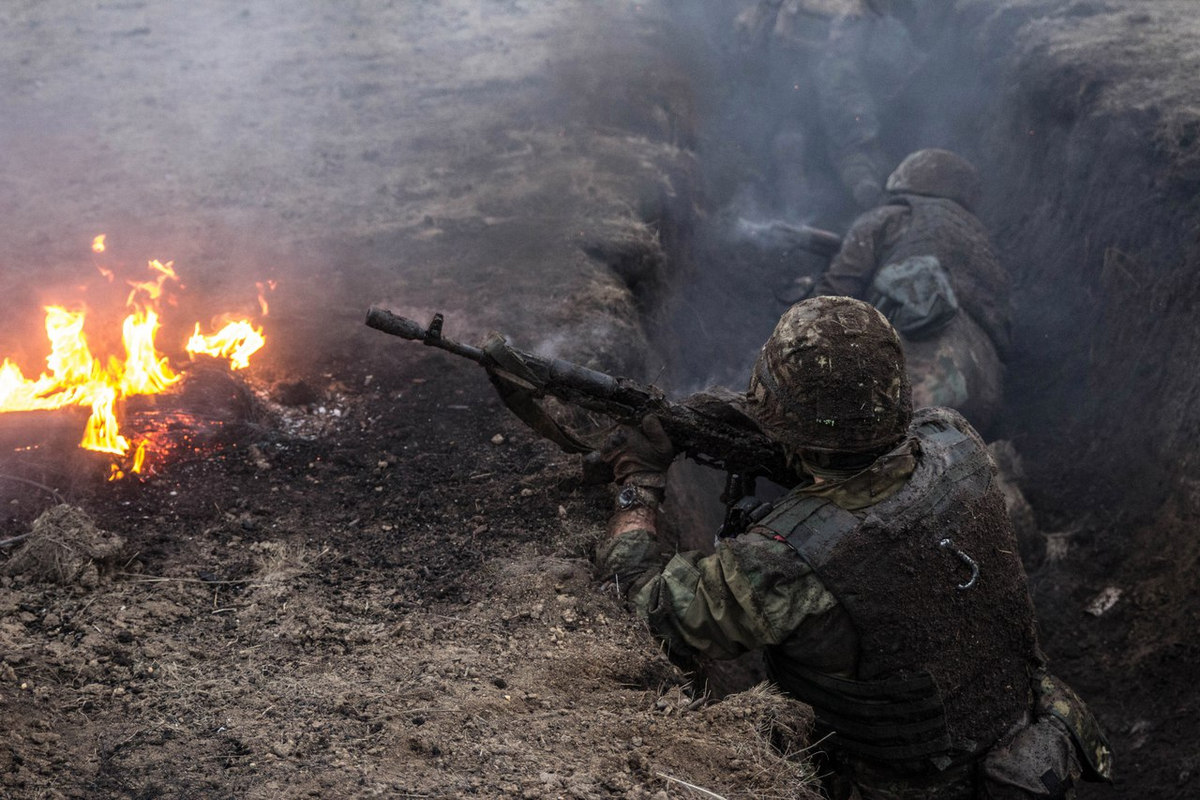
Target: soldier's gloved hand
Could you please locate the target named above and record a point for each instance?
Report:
(639, 455)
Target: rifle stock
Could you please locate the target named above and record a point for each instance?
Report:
(718, 435)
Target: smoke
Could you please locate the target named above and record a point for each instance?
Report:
(801, 118)
(357, 151)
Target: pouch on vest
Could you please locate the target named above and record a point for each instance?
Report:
(915, 295)
(1057, 699)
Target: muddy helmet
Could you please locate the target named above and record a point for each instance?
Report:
(937, 173)
(831, 379)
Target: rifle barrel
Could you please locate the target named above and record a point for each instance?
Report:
(383, 320)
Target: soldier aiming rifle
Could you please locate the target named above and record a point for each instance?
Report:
(885, 589)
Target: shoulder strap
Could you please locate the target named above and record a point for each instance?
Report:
(811, 525)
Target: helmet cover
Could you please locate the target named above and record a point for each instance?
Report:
(831, 378)
(937, 173)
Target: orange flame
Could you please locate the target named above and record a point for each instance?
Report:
(237, 341)
(263, 288)
(74, 377)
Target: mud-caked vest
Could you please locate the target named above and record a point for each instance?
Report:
(942, 228)
(932, 582)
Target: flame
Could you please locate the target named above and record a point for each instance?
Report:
(145, 371)
(264, 287)
(74, 377)
(237, 341)
(152, 290)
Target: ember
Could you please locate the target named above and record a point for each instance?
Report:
(75, 377)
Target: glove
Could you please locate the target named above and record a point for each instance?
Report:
(639, 455)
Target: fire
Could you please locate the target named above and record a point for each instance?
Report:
(263, 288)
(74, 377)
(237, 341)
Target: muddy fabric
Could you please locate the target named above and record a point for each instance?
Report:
(910, 225)
(1040, 760)
(863, 609)
(960, 369)
(715, 604)
(831, 378)
(639, 455)
(916, 296)
(751, 592)
(1059, 701)
(882, 478)
(925, 613)
(937, 173)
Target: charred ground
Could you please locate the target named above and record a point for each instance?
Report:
(400, 606)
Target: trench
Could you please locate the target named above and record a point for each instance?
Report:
(1092, 206)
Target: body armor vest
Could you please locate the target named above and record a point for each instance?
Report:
(932, 582)
(944, 229)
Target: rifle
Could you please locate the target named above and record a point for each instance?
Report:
(709, 430)
(779, 235)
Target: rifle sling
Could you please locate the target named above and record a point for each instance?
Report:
(519, 399)
(519, 386)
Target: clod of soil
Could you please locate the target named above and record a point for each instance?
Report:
(66, 547)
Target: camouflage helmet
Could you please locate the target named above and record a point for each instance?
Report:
(937, 173)
(831, 379)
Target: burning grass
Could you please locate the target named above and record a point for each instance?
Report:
(75, 376)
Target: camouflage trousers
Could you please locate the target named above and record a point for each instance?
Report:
(958, 368)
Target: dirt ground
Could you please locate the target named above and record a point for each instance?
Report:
(400, 607)
(352, 573)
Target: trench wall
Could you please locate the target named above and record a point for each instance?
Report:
(1093, 203)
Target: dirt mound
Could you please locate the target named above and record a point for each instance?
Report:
(66, 547)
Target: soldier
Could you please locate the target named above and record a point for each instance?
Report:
(925, 261)
(836, 66)
(884, 590)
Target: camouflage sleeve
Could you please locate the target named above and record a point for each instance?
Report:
(853, 268)
(754, 591)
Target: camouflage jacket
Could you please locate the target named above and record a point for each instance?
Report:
(753, 592)
(911, 225)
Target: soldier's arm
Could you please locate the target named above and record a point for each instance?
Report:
(854, 266)
(754, 591)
